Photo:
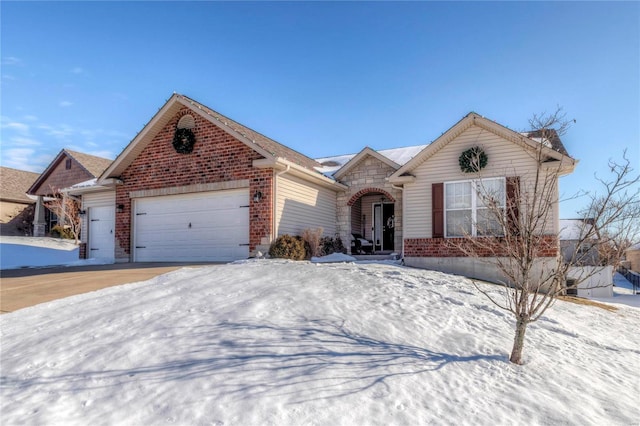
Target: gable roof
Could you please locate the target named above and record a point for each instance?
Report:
(552, 149)
(395, 156)
(265, 146)
(92, 164)
(14, 184)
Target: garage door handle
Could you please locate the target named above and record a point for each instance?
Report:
(95, 220)
(141, 246)
(243, 244)
(94, 249)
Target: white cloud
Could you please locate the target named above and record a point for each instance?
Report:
(62, 131)
(21, 159)
(12, 60)
(22, 141)
(65, 104)
(15, 126)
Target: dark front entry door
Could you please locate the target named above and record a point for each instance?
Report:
(383, 226)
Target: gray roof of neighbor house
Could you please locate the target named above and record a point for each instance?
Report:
(549, 136)
(14, 184)
(264, 142)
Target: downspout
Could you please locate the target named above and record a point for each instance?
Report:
(275, 200)
(401, 189)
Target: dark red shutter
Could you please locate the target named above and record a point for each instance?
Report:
(513, 204)
(437, 211)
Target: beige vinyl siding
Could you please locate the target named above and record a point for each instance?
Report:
(505, 159)
(301, 205)
(95, 199)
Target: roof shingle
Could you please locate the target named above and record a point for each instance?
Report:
(14, 184)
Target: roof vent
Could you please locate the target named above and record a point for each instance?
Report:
(186, 122)
(330, 163)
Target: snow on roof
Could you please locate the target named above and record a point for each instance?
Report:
(398, 155)
(572, 229)
(86, 184)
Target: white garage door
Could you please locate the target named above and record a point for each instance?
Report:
(204, 226)
(101, 238)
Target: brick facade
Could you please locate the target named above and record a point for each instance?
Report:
(547, 246)
(217, 157)
(61, 177)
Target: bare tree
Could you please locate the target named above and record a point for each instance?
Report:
(515, 231)
(68, 212)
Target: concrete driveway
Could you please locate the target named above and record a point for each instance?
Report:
(20, 288)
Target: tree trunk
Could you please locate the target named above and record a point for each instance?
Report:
(518, 341)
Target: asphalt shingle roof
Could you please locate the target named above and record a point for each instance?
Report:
(14, 184)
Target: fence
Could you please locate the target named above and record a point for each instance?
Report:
(632, 277)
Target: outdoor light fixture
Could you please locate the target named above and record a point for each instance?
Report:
(120, 208)
(257, 196)
(82, 212)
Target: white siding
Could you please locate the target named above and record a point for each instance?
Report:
(505, 159)
(301, 205)
(95, 199)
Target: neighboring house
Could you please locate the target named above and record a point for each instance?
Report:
(575, 248)
(196, 185)
(66, 169)
(16, 207)
(633, 257)
(583, 253)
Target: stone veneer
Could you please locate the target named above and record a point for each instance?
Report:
(368, 177)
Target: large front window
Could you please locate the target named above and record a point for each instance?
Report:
(474, 207)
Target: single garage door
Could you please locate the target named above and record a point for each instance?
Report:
(101, 239)
(204, 226)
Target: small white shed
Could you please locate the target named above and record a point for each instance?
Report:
(599, 283)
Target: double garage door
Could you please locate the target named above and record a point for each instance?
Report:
(204, 226)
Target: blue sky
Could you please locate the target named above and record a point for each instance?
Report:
(322, 78)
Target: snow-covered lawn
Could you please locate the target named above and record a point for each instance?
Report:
(31, 252)
(295, 343)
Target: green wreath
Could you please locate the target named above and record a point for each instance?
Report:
(183, 141)
(473, 160)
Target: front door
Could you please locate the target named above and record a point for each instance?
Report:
(383, 226)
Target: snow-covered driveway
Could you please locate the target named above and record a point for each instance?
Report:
(276, 342)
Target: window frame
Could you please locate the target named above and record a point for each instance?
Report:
(475, 184)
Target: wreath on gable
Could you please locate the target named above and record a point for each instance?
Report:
(473, 160)
(183, 140)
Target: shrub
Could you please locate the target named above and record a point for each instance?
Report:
(60, 231)
(312, 238)
(332, 245)
(287, 247)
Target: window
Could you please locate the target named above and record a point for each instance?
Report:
(468, 207)
(67, 164)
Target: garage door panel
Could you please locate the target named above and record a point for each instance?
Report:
(208, 226)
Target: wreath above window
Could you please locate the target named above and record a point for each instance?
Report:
(473, 160)
(183, 140)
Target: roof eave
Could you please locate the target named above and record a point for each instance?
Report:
(281, 164)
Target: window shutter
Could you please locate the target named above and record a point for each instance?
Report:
(513, 204)
(437, 210)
